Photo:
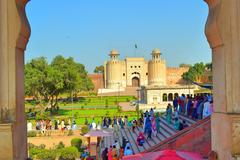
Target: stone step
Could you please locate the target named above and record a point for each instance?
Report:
(147, 143)
(152, 142)
(166, 131)
(187, 119)
(180, 117)
(171, 127)
(134, 148)
(168, 128)
(133, 139)
(160, 136)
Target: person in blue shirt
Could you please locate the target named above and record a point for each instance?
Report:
(128, 151)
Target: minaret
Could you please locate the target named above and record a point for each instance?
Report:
(114, 55)
(157, 69)
(113, 68)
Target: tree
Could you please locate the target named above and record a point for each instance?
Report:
(35, 76)
(209, 66)
(184, 65)
(47, 81)
(195, 72)
(99, 69)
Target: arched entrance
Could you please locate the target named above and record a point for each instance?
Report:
(135, 82)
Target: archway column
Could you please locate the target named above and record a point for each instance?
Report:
(223, 34)
(14, 34)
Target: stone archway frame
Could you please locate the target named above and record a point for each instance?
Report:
(14, 35)
(137, 75)
(138, 81)
(222, 31)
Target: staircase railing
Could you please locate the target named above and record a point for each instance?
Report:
(179, 134)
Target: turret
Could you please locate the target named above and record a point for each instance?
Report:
(156, 69)
(114, 55)
(113, 68)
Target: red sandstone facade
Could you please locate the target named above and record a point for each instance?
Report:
(174, 75)
(97, 80)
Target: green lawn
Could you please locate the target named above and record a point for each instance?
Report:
(89, 107)
(97, 101)
(81, 114)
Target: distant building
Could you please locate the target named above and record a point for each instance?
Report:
(156, 83)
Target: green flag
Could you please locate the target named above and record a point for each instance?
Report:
(136, 46)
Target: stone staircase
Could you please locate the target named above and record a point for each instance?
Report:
(166, 131)
(195, 138)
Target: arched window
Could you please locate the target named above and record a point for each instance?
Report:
(175, 95)
(164, 97)
(170, 97)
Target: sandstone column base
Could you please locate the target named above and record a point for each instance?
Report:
(6, 143)
(226, 135)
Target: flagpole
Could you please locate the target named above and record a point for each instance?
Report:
(135, 50)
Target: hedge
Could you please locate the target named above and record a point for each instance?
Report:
(76, 142)
(69, 153)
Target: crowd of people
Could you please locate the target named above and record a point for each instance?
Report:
(116, 152)
(46, 125)
(198, 107)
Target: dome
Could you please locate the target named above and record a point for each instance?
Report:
(114, 52)
(156, 51)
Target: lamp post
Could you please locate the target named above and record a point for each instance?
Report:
(118, 94)
(137, 104)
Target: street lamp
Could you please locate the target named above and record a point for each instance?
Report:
(118, 91)
(137, 104)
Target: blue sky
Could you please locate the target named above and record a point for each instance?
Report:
(88, 29)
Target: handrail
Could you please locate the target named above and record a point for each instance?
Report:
(179, 134)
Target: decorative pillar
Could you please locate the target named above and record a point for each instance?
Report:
(14, 35)
(223, 34)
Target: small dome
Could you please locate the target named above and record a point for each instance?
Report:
(114, 52)
(156, 51)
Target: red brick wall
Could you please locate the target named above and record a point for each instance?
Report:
(174, 75)
(196, 138)
(97, 80)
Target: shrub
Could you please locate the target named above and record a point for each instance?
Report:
(107, 113)
(76, 142)
(41, 146)
(70, 132)
(44, 115)
(31, 133)
(119, 109)
(47, 155)
(34, 151)
(84, 130)
(76, 115)
(60, 145)
(69, 153)
(30, 146)
(106, 102)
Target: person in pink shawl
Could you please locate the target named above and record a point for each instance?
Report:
(154, 128)
(110, 153)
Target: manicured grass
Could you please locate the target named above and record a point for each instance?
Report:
(90, 107)
(91, 101)
(81, 115)
(93, 113)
